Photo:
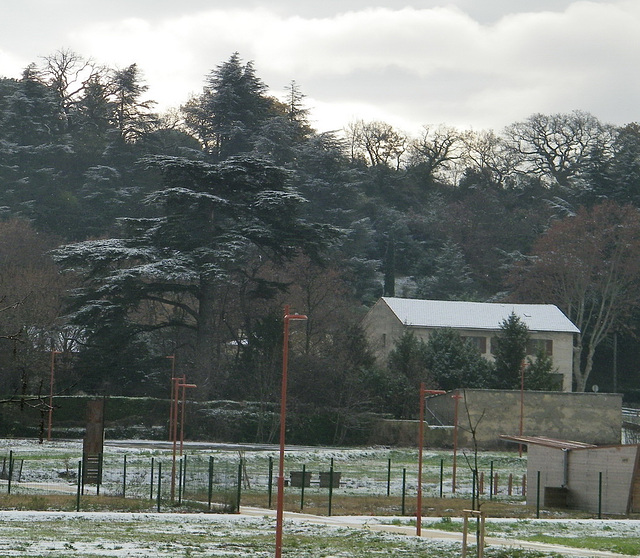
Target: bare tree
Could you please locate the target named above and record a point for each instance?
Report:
(436, 150)
(558, 147)
(588, 265)
(377, 143)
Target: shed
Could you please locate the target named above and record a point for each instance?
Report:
(582, 476)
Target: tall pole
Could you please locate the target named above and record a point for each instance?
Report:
(521, 407)
(178, 384)
(50, 421)
(420, 444)
(423, 393)
(283, 413)
(173, 373)
(456, 398)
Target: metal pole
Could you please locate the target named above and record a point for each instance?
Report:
(456, 398)
(420, 443)
(423, 392)
(304, 476)
(78, 490)
(283, 413)
(171, 417)
(183, 385)
(124, 478)
(210, 495)
(239, 493)
(404, 488)
(159, 484)
(51, 381)
(270, 481)
(600, 495)
(538, 496)
(521, 406)
(389, 477)
(330, 486)
(151, 484)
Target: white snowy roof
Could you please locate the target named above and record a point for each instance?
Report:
(477, 315)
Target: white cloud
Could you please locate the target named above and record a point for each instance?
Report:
(409, 66)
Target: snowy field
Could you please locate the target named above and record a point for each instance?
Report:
(143, 535)
(54, 534)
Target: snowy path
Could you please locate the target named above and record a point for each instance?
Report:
(373, 524)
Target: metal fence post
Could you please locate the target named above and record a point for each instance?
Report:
(270, 482)
(79, 490)
(151, 483)
(210, 492)
(159, 483)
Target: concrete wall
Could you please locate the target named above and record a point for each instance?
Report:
(594, 418)
(578, 470)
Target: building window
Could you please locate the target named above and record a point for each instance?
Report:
(536, 345)
(384, 339)
(479, 343)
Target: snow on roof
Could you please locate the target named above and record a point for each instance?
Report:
(477, 315)
(548, 442)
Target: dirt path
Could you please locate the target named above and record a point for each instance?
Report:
(360, 522)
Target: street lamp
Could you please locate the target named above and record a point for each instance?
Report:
(283, 413)
(456, 398)
(53, 361)
(423, 393)
(177, 384)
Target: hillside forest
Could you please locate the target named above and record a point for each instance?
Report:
(135, 245)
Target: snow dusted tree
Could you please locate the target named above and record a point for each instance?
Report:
(169, 271)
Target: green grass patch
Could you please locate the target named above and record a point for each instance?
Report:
(621, 545)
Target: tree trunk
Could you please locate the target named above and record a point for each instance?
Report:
(206, 335)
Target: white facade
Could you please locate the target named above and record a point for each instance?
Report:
(480, 322)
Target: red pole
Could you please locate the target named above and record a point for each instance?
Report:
(174, 434)
(50, 422)
(420, 444)
(456, 398)
(283, 413)
(521, 406)
(173, 368)
(183, 385)
(423, 392)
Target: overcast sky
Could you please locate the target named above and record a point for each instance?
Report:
(467, 63)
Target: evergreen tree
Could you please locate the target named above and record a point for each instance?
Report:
(214, 219)
(510, 349)
(455, 363)
(229, 113)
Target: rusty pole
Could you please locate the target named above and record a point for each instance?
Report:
(283, 413)
(423, 393)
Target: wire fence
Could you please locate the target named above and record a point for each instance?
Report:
(224, 480)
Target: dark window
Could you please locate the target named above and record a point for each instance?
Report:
(535, 345)
(479, 343)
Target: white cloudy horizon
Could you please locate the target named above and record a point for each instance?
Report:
(422, 63)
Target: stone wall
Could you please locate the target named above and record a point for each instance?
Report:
(594, 418)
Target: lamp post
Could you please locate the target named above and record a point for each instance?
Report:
(455, 398)
(423, 393)
(283, 413)
(173, 373)
(177, 384)
(521, 406)
(53, 361)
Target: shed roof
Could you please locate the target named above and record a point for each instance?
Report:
(477, 315)
(548, 442)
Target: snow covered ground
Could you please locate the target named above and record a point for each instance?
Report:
(251, 533)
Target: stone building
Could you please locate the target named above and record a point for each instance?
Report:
(478, 322)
